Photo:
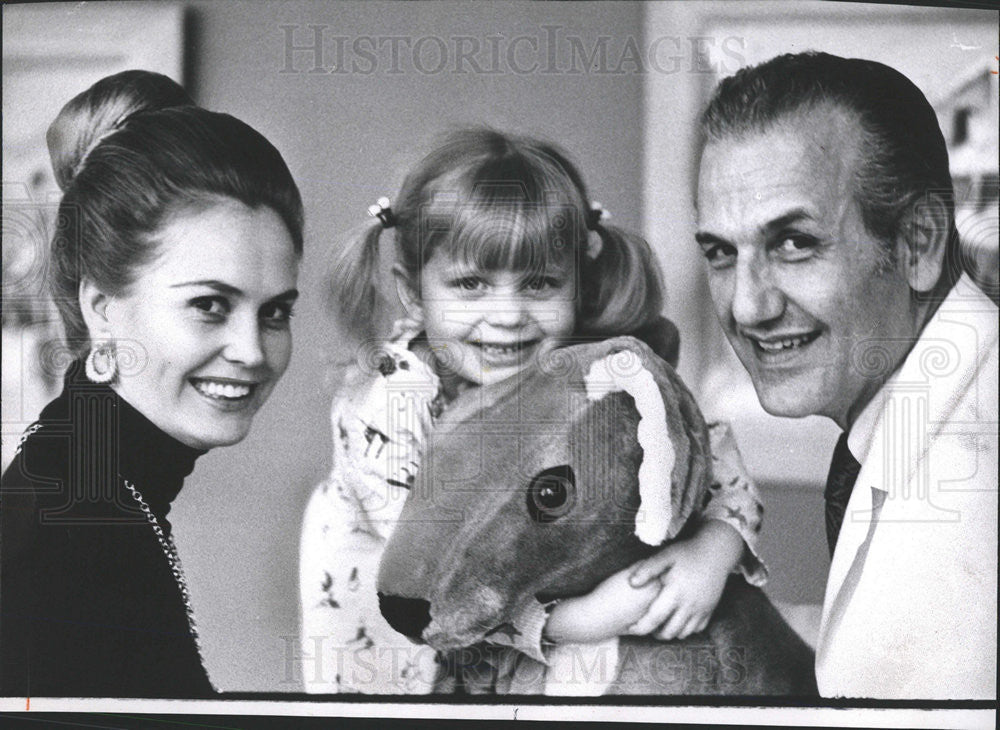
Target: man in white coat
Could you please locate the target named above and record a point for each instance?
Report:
(826, 216)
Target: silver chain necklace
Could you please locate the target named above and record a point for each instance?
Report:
(174, 560)
(24, 437)
(169, 551)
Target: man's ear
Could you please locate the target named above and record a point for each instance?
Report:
(923, 242)
(409, 292)
(94, 305)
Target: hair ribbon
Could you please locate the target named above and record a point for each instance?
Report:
(383, 211)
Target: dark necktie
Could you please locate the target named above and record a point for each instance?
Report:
(843, 473)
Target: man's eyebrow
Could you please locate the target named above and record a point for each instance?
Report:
(776, 224)
(792, 216)
(706, 239)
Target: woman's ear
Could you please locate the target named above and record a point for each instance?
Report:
(924, 241)
(409, 293)
(94, 305)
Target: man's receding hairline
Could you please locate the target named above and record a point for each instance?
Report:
(790, 122)
(785, 121)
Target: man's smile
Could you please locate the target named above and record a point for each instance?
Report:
(779, 348)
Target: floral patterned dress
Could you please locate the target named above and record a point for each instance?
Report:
(380, 419)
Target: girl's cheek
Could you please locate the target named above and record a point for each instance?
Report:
(567, 319)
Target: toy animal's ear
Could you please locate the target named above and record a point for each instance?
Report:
(625, 371)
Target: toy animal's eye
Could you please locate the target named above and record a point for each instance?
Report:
(552, 493)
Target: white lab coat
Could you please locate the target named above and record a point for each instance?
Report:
(910, 608)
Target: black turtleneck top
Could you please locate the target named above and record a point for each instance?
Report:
(88, 604)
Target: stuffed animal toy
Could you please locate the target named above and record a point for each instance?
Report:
(538, 488)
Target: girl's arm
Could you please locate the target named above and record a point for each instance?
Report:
(681, 587)
(608, 610)
(694, 572)
(321, 593)
(674, 592)
(346, 645)
(334, 544)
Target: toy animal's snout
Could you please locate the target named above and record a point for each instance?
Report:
(551, 495)
(408, 616)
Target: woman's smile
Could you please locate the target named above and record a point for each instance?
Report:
(227, 393)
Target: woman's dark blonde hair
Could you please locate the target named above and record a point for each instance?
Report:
(500, 202)
(128, 153)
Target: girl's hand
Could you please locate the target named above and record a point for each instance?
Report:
(692, 574)
(605, 612)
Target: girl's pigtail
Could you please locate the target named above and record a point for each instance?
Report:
(623, 289)
(354, 296)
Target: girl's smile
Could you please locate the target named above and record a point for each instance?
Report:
(486, 326)
(504, 354)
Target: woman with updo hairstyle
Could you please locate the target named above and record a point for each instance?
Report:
(173, 265)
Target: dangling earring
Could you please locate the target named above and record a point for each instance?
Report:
(101, 365)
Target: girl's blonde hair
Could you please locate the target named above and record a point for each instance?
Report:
(500, 202)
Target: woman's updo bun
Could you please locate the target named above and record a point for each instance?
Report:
(92, 115)
(130, 152)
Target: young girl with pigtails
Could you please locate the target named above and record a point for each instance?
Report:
(497, 251)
